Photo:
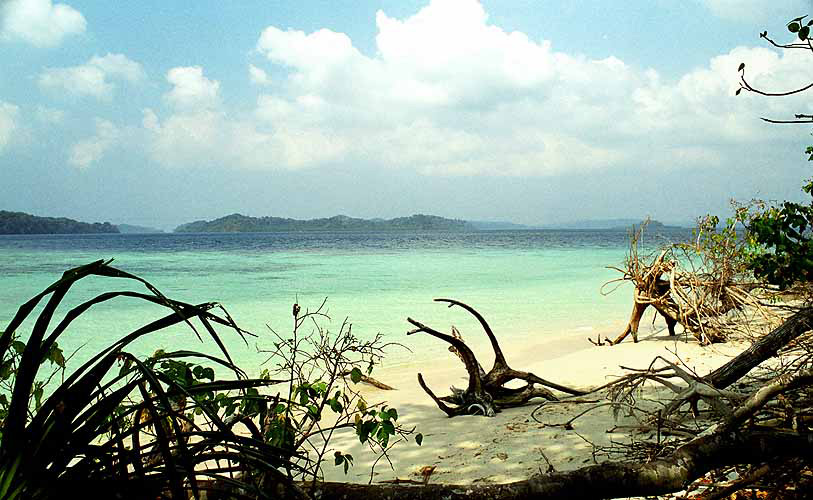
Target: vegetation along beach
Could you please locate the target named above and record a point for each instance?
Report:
(405, 250)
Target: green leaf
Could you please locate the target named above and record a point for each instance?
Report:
(793, 27)
(355, 375)
(388, 427)
(6, 369)
(38, 396)
(18, 346)
(419, 438)
(56, 357)
(804, 32)
(363, 431)
(338, 459)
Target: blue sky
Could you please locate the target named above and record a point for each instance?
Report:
(158, 113)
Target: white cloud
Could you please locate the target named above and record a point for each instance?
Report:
(199, 132)
(759, 11)
(211, 137)
(191, 89)
(89, 151)
(258, 76)
(8, 123)
(447, 93)
(50, 115)
(39, 22)
(94, 78)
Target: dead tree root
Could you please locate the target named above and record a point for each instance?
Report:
(486, 393)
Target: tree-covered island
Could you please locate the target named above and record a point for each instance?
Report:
(23, 223)
(238, 223)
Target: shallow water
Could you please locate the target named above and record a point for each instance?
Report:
(532, 286)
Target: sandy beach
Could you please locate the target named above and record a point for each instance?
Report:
(510, 446)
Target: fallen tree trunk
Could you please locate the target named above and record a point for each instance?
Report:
(712, 387)
(608, 480)
(764, 348)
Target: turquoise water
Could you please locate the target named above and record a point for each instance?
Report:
(532, 286)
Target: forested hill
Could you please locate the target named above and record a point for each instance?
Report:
(22, 223)
(237, 223)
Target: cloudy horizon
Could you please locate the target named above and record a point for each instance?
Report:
(530, 112)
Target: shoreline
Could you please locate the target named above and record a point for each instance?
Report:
(510, 446)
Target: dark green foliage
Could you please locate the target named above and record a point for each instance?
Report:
(377, 424)
(784, 232)
(119, 425)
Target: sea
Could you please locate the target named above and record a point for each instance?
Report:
(534, 287)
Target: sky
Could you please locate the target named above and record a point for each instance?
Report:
(159, 113)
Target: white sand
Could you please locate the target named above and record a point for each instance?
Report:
(473, 449)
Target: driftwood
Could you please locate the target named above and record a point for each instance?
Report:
(486, 393)
(370, 381)
(692, 284)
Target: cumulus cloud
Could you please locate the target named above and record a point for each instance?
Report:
(448, 93)
(39, 22)
(86, 152)
(192, 90)
(258, 76)
(8, 123)
(96, 78)
(198, 131)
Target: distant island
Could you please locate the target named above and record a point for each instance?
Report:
(23, 223)
(237, 223)
(133, 229)
(654, 225)
(610, 224)
(487, 225)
